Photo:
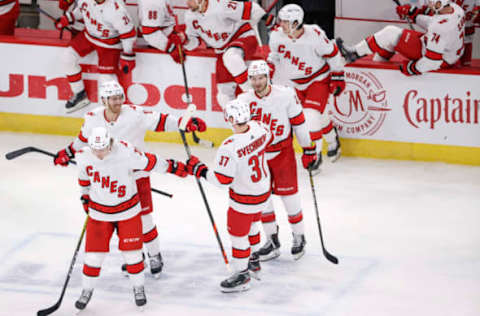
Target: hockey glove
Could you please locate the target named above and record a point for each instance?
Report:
(309, 156)
(196, 168)
(127, 62)
(64, 4)
(63, 157)
(177, 168)
(85, 201)
(407, 11)
(337, 83)
(408, 68)
(194, 124)
(62, 22)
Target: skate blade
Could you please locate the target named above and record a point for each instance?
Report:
(156, 276)
(141, 308)
(240, 288)
(316, 172)
(80, 105)
(79, 311)
(298, 255)
(274, 254)
(335, 158)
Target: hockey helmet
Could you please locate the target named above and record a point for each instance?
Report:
(443, 4)
(99, 138)
(111, 88)
(291, 13)
(258, 67)
(237, 109)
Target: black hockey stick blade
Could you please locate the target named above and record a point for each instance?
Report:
(16, 153)
(330, 257)
(202, 142)
(48, 311)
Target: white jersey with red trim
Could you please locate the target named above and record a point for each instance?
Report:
(443, 41)
(470, 7)
(310, 57)
(281, 111)
(222, 22)
(157, 21)
(6, 6)
(240, 164)
(107, 25)
(110, 182)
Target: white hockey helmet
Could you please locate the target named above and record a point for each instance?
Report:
(291, 13)
(111, 88)
(238, 110)
(258, 67)
(443, 4)
(99, 138)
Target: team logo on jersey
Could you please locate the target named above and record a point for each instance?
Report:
(362, 108)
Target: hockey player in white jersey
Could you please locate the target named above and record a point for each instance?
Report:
(240, 165)
(225, 26)
(110, 32)
(129, 123)
(472, 12)
(110, 198)
(441, 46)
(279, 108)
(313, 66)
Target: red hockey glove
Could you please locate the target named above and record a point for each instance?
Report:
(177, 168)
(174, 41)
(408, 68)
(62, 22)
(64, 156)
(196, 168)
(309, 156)
(337, 83)
(85, 201)
(194, 124)
(411, 12)
(64, 4)
(127, 62)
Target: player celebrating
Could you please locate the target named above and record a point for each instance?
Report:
(472, 10)
(129, 123)
(240, 165)
(313, 66)
(110, 198)
(279, 107)
(440, 47)
(227, 27)
(109, 31)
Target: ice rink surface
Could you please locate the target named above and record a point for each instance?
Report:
(407, 235)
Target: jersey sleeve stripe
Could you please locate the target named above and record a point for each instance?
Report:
(115, 209)
(247, 11)
(152, 161)
(249, 199)
(223, 179)
(333, 53)
(132, 33)
(297, 120)
(433, 55)
(82, 138)
(161, 123)
(84, 183)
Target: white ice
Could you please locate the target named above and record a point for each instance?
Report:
(407, 235)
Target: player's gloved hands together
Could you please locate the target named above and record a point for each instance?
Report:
(64, 4)
(196, 168)
(127, 62)
(337, 83)
(177, 168)
(408, 68)
(62, 22)
(64, 156)
(85, 201)
(309, 156)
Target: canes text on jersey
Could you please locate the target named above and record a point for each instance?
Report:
(106, 182)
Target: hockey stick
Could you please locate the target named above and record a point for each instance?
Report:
(48, 311)
(271, 7)
(188, 114)
(327, 255)
(40, 10)
(397, 2)
(16, 153)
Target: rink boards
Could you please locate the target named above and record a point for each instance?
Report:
(381, 113)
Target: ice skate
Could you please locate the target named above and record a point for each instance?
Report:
(156, 265)
(85, 297)
(238, 282)
(348, 53)
(139, 295)
(254, 266)
(334, 153)
(298, 246)
(271, 249)
(77, 101)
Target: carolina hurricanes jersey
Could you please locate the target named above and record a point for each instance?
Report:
(282, 112)
(469, 6)
(311, 57)
(6, 6)
(107, 25)
(110, 182)
(157, 21)
(240, 164)
(221, 23)
(443, 41)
